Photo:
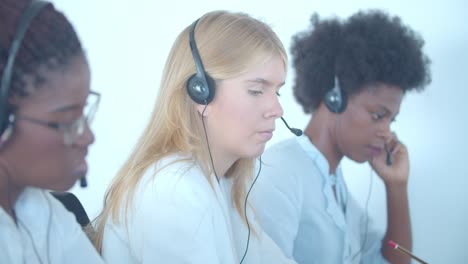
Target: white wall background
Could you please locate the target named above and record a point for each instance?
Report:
(127, 43)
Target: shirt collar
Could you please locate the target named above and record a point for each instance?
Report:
(335, 207)
(320, 160)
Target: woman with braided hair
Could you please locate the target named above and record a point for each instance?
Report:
(46, 107)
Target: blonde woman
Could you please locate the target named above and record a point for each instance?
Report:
(181, 196)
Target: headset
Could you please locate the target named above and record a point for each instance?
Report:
(7, 118)
(201, 89)
(200, 86)
(336, 99)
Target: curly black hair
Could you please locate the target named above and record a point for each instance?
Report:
(370, 47)
(50, 41)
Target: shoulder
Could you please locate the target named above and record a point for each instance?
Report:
(285, 155)
(174, 182)
(173, 202)
(48, 216)
(39, 204)
(287, 145)
(72, 204)
(63, 221)
(284, 161)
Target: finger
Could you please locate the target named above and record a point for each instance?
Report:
(397, 148)
(389, 141)
(393, 142)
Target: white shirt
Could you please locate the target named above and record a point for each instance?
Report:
(178, 217)
(297, 207)
(45, 233)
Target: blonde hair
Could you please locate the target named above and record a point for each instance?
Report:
(228, 43)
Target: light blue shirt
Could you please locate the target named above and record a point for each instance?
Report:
(296, 206)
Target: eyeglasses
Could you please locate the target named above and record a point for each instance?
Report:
(75, 129)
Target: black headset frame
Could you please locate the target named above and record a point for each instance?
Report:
(7, 118)
(200, 86)
(336, 99)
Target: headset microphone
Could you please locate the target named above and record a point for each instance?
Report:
(295, 131)
(389, 159)
(83, 182)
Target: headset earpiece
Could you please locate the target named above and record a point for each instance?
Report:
(6, 133)
(199, 89)
(336, 99)
(200, 86)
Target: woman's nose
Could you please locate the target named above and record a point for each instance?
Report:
(275, 110)
(86, 138)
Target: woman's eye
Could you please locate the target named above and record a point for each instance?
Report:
(377, 116)
(255, 93)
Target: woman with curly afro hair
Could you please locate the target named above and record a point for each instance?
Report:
(352, 76)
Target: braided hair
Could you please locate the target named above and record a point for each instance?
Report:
(50, 41)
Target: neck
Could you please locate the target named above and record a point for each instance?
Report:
(8, 191)
(222, 162)
(321, 131)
